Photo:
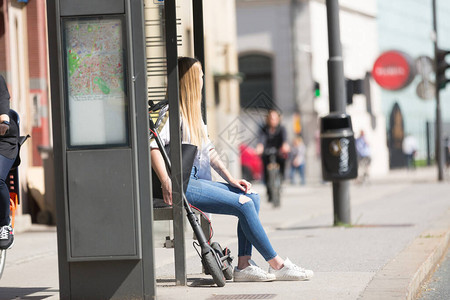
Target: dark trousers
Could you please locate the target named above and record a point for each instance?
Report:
(5, 166)
(410, 161)
(280, 161)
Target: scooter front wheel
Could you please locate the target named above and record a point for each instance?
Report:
(211, 265)
(228, 268)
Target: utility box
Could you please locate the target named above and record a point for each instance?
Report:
(338, 150)
(101, 151)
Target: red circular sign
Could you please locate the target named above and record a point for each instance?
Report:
(393, 70)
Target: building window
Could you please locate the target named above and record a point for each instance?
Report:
(256, 90)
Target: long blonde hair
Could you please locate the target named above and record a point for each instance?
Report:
(190, 99)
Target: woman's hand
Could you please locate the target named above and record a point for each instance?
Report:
(285, 149)
(220, 168)
(241, 184)
(259, 150)
(160, 168)
(166, 187)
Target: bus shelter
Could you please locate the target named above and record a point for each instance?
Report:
(100, 69)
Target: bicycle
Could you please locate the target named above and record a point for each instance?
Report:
(12, 180)
(273, 177)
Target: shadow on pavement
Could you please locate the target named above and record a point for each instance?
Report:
(192, 282)
(7, 293)
(346, 226)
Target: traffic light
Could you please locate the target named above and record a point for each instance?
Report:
(349, 91)
(316, 89)
(353, 87)
(441, 66)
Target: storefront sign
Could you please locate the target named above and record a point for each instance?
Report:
(393, 70)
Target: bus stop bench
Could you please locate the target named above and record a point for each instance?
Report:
(164, 212)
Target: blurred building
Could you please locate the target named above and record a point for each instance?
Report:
(24, 64)
(221, 81)
(407, 26)
(283, 53)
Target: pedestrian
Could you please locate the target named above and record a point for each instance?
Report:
(232, 198)
(298, 159)
(9, 132)
(363, 155)
(409, 147)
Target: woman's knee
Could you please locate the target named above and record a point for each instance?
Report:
(256, 200)
(244, 199)
(248, 205)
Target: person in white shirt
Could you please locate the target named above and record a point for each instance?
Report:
(409, 148)
(364, 156)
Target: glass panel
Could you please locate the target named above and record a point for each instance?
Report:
(95, 74)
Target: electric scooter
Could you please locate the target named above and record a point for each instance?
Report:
(215, 260)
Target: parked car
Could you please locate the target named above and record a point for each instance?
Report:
(251, 163)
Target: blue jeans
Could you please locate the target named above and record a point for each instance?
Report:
(299, 169)
(222, 198)
(5, 166)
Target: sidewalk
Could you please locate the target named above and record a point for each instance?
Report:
(401, 228)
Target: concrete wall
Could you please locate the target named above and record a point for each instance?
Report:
(265, 27)
(221, 84)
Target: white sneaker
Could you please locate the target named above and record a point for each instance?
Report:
(291, 271)
(252, 273)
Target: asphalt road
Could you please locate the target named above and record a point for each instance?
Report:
(438, 287)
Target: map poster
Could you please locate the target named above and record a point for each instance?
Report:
(94, 59)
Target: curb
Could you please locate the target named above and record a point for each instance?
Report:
(403, 277)
(428, 266)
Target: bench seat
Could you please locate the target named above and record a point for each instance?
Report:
(164, 212)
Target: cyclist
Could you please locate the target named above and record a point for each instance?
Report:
(232, 198)
(8, 153)
(273, 135)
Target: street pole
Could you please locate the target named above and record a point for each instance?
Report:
(438, 150)
(336, 86)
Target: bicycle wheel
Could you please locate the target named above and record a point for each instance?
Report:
(228, 268)
(2, 261)
(276, 190)
(270, 184)
(210, 264)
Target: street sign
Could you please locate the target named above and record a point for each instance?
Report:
(426, 90)
(424, 66)
(393, 70)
